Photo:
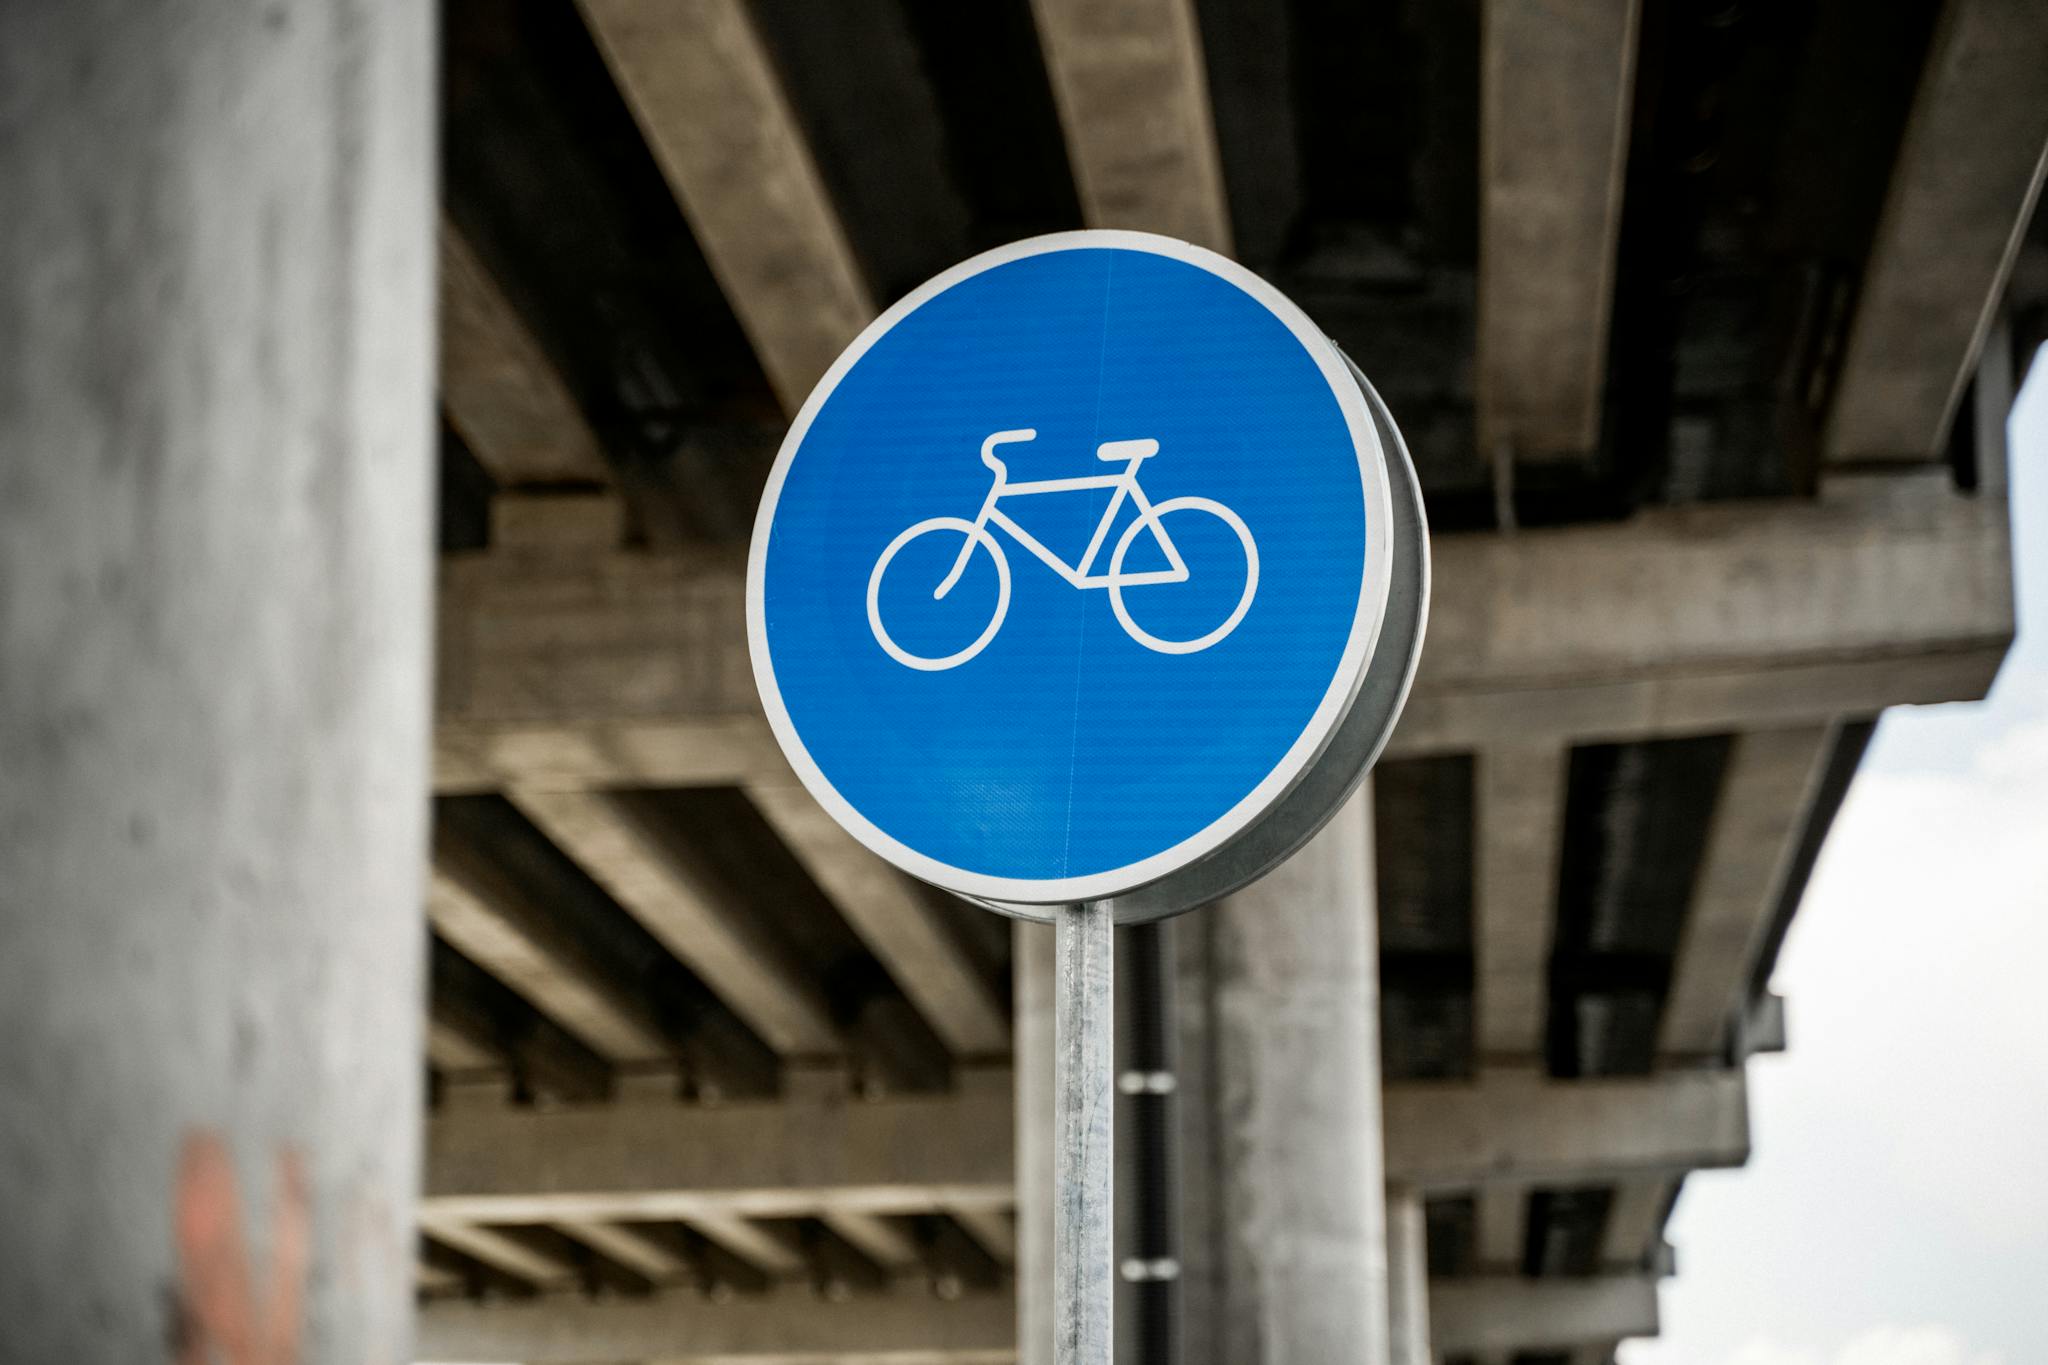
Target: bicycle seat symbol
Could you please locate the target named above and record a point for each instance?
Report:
(1151, 519)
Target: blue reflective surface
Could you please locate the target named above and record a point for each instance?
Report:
(1065, 747)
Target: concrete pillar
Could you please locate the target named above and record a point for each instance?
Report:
(1032, 992)
(215, 488)
(1407, 1279)
(1298, 1272)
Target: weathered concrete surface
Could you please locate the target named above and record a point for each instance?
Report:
(1968, 174)
(1133, 96)
(1407, 1280)
(1558, 83)
(787, 1326)
(706, 94)
(1299, 1271)
(215, 487)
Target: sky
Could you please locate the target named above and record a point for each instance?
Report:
(1896, 1209)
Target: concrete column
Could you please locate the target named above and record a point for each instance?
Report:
(215, 487)
(1300, 1272)
(1032, 995)
(1407, 1279)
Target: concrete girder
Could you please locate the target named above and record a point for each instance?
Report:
(1133, 97)
(908, 1154)
(896, 921)
(1519, 831)
(705, 91)
(788, 1325)
(1557, 85)
(623, 670)
(1522, 1129)
(1491, 1313)
(1759, 818)
(1969, 170)
(499, 388)
(672, 890)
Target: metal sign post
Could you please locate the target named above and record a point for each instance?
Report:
(1084, 1099)
(1086, 585)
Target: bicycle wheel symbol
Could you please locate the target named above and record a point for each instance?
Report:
(978, 538)
(1155, 520)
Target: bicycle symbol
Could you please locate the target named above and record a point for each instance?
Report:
(1151, 517)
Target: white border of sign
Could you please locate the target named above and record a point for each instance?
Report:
(1329, 713)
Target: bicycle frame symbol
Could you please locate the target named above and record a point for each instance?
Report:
(1151, 517)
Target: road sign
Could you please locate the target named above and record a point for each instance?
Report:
(1071, 567)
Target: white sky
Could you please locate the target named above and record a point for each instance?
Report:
(1896, 1210)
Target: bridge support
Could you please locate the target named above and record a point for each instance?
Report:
(215, 332)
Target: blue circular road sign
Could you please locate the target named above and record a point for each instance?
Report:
(1069, 568)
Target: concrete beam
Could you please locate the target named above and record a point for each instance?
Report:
(495, 1249)
(1407, 1280)
(1501, 1227)
(903, 929)
(623, 669)
(1519, 832)
(1133, 97)
(650, 1162)
(501, 392)
(1520, 1128)
(749, 1241)
(671, 888)
(1510, 1313)
(1758, 821)
(993, 1230)
(497, 922)
(1557, 90)
(1969, 171)
(630, 1247)
(788, 1325)
(1635, 1222)
(707, 96)
(875, 1237)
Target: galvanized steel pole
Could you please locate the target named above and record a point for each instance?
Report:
(1084, 1089)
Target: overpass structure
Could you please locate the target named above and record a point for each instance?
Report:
(1702, 322)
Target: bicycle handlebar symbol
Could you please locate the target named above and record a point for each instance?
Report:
(1151, 517)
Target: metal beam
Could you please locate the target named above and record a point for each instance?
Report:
(903, 929)
(1758, 821)
(501, 391)
(1520, 829)
(1557, 87)
(650, 1162)
(1969, 171)
(1511, 1313)
(707, 96)
(1520, 1128)
(633, 670)
(671, 889)
(788, 1325)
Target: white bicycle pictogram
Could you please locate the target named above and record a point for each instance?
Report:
(1151, 516)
